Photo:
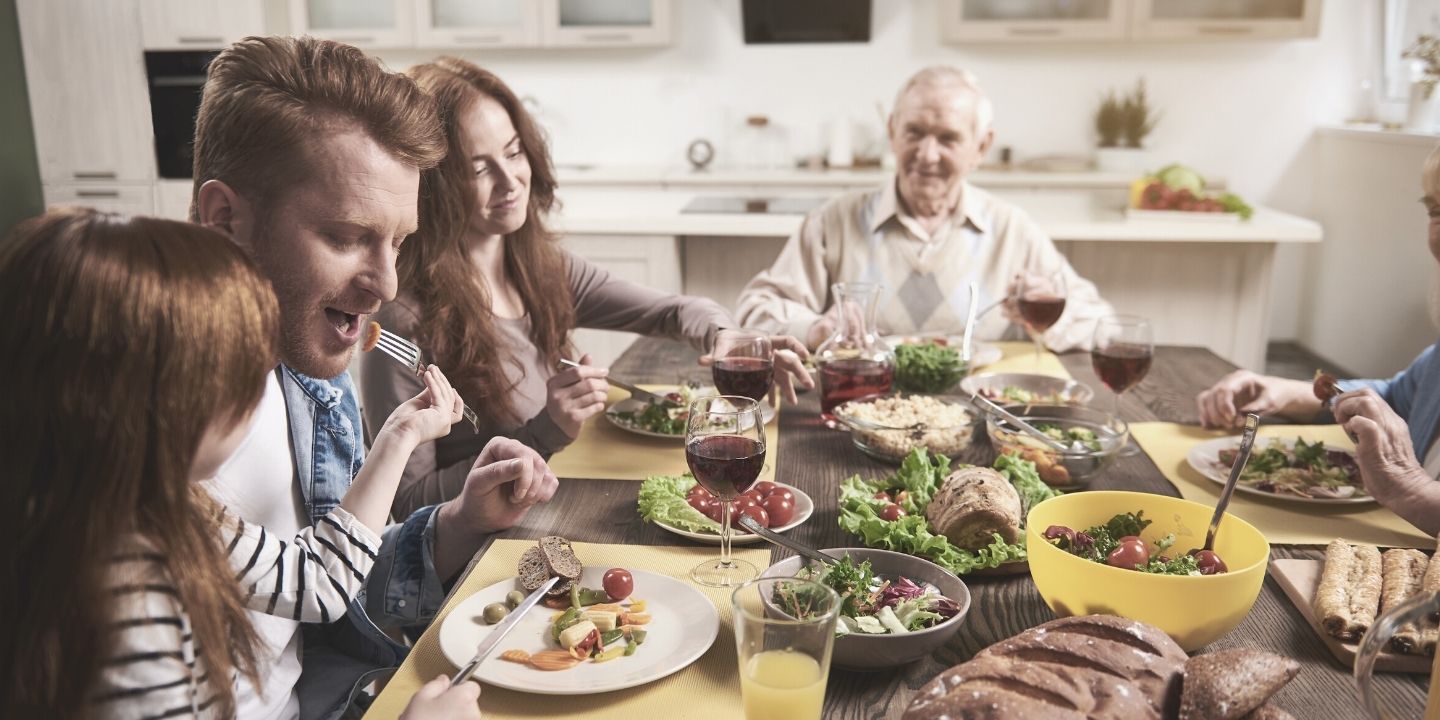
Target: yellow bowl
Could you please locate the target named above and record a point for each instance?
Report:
(1194, 610)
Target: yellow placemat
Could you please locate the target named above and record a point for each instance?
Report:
(1284, 523)
(708, 688)
(1019, 357)
(606, 452)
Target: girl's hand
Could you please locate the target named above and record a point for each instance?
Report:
(430, 414)
(436, 699)
(575, 394)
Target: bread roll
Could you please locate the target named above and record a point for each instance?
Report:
(1402, 572)
(1229, 684)
(1349, 593)
(973, 505)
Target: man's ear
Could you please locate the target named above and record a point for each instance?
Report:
(987, 141)
(219, 207)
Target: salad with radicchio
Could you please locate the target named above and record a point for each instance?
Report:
(870, 605)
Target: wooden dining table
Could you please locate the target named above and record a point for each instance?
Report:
(817, 459)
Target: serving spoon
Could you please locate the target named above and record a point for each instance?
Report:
(1247, 442)
(805, 551)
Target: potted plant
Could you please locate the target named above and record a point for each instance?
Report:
(1122, 123)
(1420, 111)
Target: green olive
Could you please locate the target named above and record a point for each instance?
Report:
(494, 613)
(514, 598)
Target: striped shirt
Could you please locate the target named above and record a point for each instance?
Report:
(154, 671)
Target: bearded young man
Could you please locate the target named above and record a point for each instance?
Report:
(924, 236)
(308, 154)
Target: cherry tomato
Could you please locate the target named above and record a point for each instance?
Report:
(891, 512)
(1209, 562)
(757, 512)
(782, 493)
(764, 487)
(900, 496)
(781, 511)
(1129, 554)
(618, 583)
(752, 495)
(699, 491)
(881, 495)
(699, 502)
(744, 501)
(714, 511)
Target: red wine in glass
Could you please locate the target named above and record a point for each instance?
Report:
(1040, 310)
(845, 380)
(745, 376)
(1121, 365)
(726, 465)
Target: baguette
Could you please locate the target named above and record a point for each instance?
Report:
(1403, 572)
(1349, 594)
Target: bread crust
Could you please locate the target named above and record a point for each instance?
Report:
(1348, 596)
(1403, 571)
(1229, 684)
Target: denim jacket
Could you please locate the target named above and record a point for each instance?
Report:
(1414, 394)
(402, 591)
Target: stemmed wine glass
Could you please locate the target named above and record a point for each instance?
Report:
(1041, 298)
(743, 363)
(725, 449)
(1123, 350)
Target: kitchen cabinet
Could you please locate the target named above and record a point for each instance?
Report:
(605, 23)
(1033, 20)
(368, 24)
(88, 97)
(470, 24)
(651, 261)
(128, 199)
(1226, 19)
(198, 24)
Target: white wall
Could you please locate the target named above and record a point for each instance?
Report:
(1241, 110)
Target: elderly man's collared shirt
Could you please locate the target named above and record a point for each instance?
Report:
(866, 236)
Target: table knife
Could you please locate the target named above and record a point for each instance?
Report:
(501, 629)
(635, 391)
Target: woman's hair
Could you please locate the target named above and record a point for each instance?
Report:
(125, 339)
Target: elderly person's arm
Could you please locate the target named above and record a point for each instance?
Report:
(1388, 465)
(791, 296)
(1226, 403)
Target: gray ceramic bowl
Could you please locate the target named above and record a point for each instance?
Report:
(1046, 390)
(876, 652)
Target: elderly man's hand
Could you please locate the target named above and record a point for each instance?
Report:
(506, 480)
(1382, 446)
(829, 323)
(789, 358)
(1227, 402)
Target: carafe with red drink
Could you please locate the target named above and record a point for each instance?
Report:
(854, 362)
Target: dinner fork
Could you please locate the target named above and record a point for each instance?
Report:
(408, 354)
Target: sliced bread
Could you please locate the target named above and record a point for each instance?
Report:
(551, 557)
(560, 557)
(1229, 684)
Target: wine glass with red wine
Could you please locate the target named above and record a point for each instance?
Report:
(1041, 300)
(743, 364)
(725, 449)
(1123, 351)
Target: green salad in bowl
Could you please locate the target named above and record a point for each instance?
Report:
(927, 367)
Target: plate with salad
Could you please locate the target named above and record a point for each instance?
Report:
(1287, 469)
(680, 505)
(644, 418)
(560, 650)
(889, 513)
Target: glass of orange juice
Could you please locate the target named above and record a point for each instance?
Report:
(784, 631)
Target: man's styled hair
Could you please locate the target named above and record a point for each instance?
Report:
(942, 75)
(267, 98)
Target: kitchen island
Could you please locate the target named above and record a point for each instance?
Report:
(1201, 280)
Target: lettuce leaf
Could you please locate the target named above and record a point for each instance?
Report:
(662, 498)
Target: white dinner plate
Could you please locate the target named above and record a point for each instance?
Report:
(804, 508)
(1205, 458)
(683, 625)
(981, 353)
(631, 404)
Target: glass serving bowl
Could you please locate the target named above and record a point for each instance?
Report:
(1072, 468)
(887, 427)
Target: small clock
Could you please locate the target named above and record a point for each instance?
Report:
(700, 153)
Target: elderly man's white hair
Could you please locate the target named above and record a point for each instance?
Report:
(949, 75)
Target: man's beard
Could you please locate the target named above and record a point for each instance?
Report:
(298, 350)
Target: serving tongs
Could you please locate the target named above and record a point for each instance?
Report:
(970, 314)
(1247, 442)
(989, 407)
(636, 392)
(805, 551)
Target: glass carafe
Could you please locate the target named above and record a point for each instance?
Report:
(854, 362)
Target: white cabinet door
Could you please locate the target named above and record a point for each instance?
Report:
(1033, 20)
(1226, 19)
(362, 23)
(476, 24)
(111, 197)
(172, 199)
(199, 24)
(652, 261)
(88, 97)
(605, 23)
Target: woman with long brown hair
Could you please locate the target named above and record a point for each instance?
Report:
(486, 288)
(135, 354)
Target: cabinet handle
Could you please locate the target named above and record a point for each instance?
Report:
(97, 193)
(478, 39)
(198, 40)
(1226, 30)
(607, 37)
(359, 40)
(96, 175)
(1034, 31)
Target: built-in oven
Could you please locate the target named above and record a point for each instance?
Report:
(176, 79)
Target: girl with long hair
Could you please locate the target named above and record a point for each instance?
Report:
(487, 289)
(136, 351)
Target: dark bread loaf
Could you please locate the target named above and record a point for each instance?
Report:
(552, 557)
(1228, 684)
(1269, 711)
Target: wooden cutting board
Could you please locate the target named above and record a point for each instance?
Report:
(1299, 579)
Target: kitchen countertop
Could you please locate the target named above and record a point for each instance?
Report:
(1064, 215)
(618, 175)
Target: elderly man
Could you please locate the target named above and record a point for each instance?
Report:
(1389, 419)
(924, 236)
(308, 154)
